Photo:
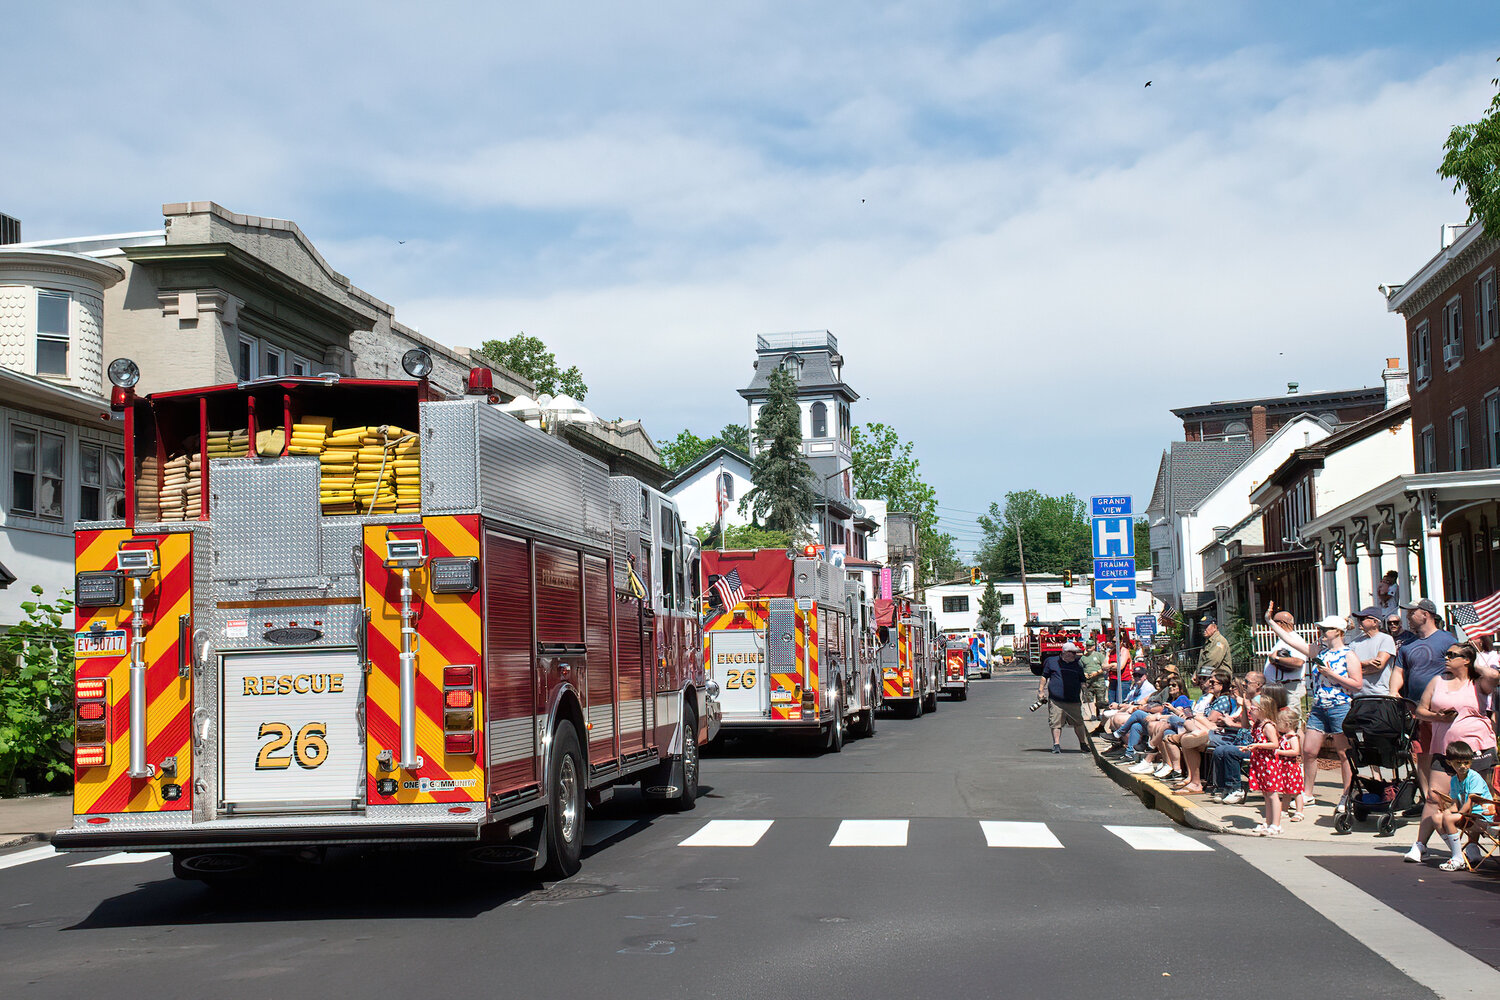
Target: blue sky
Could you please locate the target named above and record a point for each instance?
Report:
(1027, 256)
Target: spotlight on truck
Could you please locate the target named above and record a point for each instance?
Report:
(417, 362)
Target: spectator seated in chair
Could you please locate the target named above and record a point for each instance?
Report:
(1136, 698)
(1467, 808)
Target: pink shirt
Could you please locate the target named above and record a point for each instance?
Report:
(1470, 726)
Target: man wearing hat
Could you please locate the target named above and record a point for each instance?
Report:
(1418, 661)
(1286, 666)
(1062, 686)
(1376, 651)
(1095, 675)
(1215, 652)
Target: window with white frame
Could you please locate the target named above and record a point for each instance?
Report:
(248, 362)
(1453, 332)
(1492, 427)
(820, 420)
(272, 361)
(300, 365)
(1426, 450)
(52, 331)
(1486, 310)
(36, 472)
(1458, 440)
(101, 482)
(1421, 354)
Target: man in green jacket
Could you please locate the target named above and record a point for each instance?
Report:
(1215, 652)
(1094, 678)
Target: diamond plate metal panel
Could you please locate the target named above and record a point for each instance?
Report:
(450, 456)
(782, 628)
(265, 516)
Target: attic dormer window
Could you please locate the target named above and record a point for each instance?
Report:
(792, 365)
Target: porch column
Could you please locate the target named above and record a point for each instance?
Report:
(1328, 559)
(1351, 569)
(1403, 560)
(1432, 553)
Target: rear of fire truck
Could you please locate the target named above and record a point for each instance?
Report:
(956, 655)
(787, 658)
(908, 655)
(299, 636)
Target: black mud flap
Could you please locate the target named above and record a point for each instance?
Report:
(664, 781)
(523, 852)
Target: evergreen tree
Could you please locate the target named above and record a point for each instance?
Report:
(989, 609)
(782, 498)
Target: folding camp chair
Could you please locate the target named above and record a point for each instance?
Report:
(1482, 832)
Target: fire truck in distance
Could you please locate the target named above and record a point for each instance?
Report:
(907, 651)
(1044, 639)
(342, 611)
(978, 654)
(956, 654)
(794, 656)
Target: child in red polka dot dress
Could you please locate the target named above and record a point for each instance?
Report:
(1275, 768)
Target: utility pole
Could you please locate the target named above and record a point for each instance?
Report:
(1021, 552)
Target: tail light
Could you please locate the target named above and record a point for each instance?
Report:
(91, 731)
(458, 718)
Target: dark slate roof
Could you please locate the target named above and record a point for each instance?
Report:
(1286, 402)
(817, 373)
(1191, 470)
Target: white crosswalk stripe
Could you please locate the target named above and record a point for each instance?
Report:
(27, 856)
(998, 833)
(1156, 838)
(729, 833)
(871, 833)
(122, 859)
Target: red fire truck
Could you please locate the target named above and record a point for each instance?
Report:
(1044, 639)
(344, 611)
(907, 653)
(956, 667)
(794, 656)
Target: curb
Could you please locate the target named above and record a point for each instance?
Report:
(24, 838)
(1158, 796)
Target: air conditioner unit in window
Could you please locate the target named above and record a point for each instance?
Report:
(1452, 354)
(1422, 374)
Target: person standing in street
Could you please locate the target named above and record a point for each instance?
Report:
(1376, 651)
(1095, 675)
(1215, 652)
(1419, 660)
(1284, 665)
(1062, 686)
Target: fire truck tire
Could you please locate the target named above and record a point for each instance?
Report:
(833, 736)
(914, 710)
(688, 797)
(564, 833)
(931, 702)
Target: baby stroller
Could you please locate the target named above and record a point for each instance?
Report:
(1380, 730)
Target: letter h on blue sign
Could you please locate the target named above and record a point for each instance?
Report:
(1114, 536)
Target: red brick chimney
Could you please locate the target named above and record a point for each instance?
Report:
(1257, 426)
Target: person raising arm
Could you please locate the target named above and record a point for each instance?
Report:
(1337, 676)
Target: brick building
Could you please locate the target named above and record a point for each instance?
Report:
(1255, 420)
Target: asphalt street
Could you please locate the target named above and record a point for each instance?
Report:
(864, 874)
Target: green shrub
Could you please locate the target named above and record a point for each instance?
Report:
(36, 694)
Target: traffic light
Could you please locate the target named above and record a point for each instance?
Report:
(973, 575)
(1067, 578)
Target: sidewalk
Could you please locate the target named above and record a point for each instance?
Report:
(34, 817)
(1201, 813)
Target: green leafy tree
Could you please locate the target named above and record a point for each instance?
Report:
(1055, 529)
(1142, 543)
(1471, 160)
(747, 536)
(989, 609)
(688, 447)
(782, 496)
(885, 468)
(36, 694)
(528, 356)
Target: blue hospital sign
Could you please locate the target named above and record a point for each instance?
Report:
(1114, 538)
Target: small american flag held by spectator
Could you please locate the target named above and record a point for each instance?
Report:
(729, 589)
(1481, 617)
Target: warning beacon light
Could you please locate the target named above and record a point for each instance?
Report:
(417, 362)
(124, 373)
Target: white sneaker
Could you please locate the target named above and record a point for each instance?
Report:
(1164, 770)
(1338, 810)
(1416, 855)
(1234, 798)
(1142, 768)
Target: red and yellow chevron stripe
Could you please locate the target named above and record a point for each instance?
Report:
(450, 627)
(108, 788)
(893, 684)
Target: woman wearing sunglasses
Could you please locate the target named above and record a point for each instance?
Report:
(1337, 676)
(1455, 702)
